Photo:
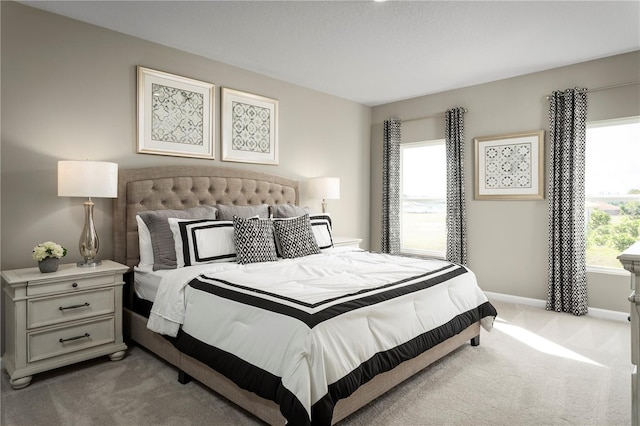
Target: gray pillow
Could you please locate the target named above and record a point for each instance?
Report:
(288, 210)
(164, 251)
(228, 212)
(254, 240)
(294, 237)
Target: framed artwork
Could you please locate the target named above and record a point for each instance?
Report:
(510, 167)
(175, 115)
(249, 128)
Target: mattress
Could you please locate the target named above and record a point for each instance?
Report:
(307, 332)
(146, 282)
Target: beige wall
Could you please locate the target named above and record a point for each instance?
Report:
(69, 92)
(507, 240)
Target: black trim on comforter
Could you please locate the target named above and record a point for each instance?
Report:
(244, 374)
(269, 386)
(313, 319)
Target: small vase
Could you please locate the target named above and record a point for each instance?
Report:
(49, 264)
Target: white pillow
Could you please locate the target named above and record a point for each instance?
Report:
(202, 241)
(144, 243)
(321, 226)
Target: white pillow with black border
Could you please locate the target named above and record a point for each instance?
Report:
(321, 226)
(203, 241)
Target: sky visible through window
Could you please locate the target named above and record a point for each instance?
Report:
(424, 186)
(612, 159)
(424, 163)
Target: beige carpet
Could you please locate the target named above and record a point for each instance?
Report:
(535, 368)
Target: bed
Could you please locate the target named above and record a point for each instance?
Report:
(326, 350)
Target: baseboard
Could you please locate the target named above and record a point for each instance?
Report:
(537, 303)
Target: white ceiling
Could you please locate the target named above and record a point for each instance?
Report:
(375, 53)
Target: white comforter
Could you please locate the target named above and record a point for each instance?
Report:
(300, 319)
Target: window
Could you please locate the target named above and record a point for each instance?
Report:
(423, 186)
(612, 190)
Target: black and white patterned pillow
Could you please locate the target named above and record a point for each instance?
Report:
(254, 240)
(295, 237)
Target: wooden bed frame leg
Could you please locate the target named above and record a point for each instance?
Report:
(475, 341)
(183, 377)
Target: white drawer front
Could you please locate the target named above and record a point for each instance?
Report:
(41, 288)
(68, 307)
(72, 338)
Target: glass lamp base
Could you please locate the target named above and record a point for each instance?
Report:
(88, 239)
(89, 263)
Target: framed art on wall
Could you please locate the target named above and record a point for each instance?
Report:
(175, 115)
(249, 127)
(510, 167)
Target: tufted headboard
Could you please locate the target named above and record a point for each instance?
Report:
(182, 187)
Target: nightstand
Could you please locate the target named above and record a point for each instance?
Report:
(347, 242)
(61, 318)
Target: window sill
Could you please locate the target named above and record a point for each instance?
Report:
(424, 254)
(607, 271)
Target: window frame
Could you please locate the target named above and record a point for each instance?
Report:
(630, 197)
(414, 252)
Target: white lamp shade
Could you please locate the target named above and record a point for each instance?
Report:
(326, 188)
(87, 179)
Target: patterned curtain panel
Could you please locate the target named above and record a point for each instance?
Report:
(391, 188)
(567, 252)
(456, 212)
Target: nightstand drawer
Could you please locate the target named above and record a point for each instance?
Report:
(63, 340)
(68, 307)
(41, 288)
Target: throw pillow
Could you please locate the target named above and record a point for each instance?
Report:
(254, 240)
(295, 237)
(164, 251)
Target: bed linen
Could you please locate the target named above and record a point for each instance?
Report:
(307, 332)
(146, 281)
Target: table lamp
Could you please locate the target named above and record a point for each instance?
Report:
(325, 188)
(89, 179)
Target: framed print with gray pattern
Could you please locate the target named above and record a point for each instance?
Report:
(175, 115)
(510, 167)
(249, 127)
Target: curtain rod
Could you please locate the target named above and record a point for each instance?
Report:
(438, 114)
(613, 86)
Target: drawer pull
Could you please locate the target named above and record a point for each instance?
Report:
(85, 335)
(74, 285)
(84, 305)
